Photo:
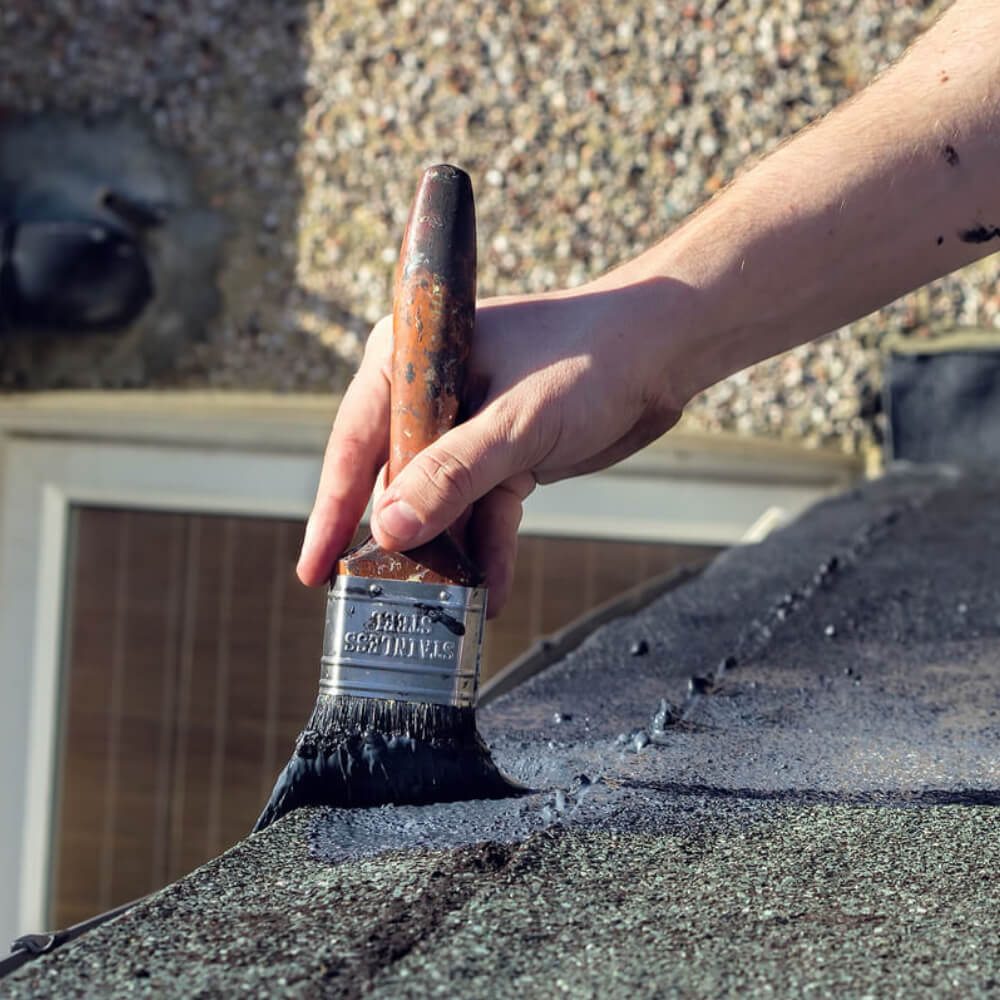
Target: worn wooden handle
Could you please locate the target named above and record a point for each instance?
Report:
(434, 313)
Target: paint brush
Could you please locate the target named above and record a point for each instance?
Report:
(395, 720)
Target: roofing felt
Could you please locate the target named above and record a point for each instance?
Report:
(814, 811)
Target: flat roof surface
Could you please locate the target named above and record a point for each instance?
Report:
(814, 813)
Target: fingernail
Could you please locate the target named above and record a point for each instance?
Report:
(400, 520)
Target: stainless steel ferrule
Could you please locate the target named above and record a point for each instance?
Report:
(408, 641)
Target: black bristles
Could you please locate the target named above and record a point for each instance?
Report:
(364, 752)
(346, 715)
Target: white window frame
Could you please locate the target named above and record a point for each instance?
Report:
(245, 454)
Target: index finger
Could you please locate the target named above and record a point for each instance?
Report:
(357, 448)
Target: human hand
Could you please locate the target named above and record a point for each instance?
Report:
(558, 385)
(852, 213)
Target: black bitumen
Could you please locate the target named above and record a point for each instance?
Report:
(778, 778)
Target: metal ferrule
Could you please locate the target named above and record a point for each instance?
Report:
(403, 640)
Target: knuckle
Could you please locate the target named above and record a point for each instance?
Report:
(448, 476)
(347, 453)
(351, 447)
(522, 425)
(510, 419)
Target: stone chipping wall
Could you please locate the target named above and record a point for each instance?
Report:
(590, 130)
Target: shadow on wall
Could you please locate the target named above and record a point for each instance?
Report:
(149, 197)
(110, 263)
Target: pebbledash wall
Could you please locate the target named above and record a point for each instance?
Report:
(282, 142)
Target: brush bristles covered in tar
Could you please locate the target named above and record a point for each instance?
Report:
(346, 715)
(363, 752)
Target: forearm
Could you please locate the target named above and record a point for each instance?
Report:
(895, 188)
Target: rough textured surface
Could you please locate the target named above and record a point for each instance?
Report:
(817, 815)
(863, 643)
(589, 129)
(824, 900)
(944, 405)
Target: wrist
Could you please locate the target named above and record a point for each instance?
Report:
(674, 298)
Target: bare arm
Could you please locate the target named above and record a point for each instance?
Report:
(896, 187)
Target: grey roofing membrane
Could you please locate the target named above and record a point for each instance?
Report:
(814, 815)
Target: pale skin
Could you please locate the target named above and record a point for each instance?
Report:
(895, 188)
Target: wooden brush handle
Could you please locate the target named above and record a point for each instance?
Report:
(434, 313)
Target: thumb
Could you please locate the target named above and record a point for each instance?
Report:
(441, 482)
